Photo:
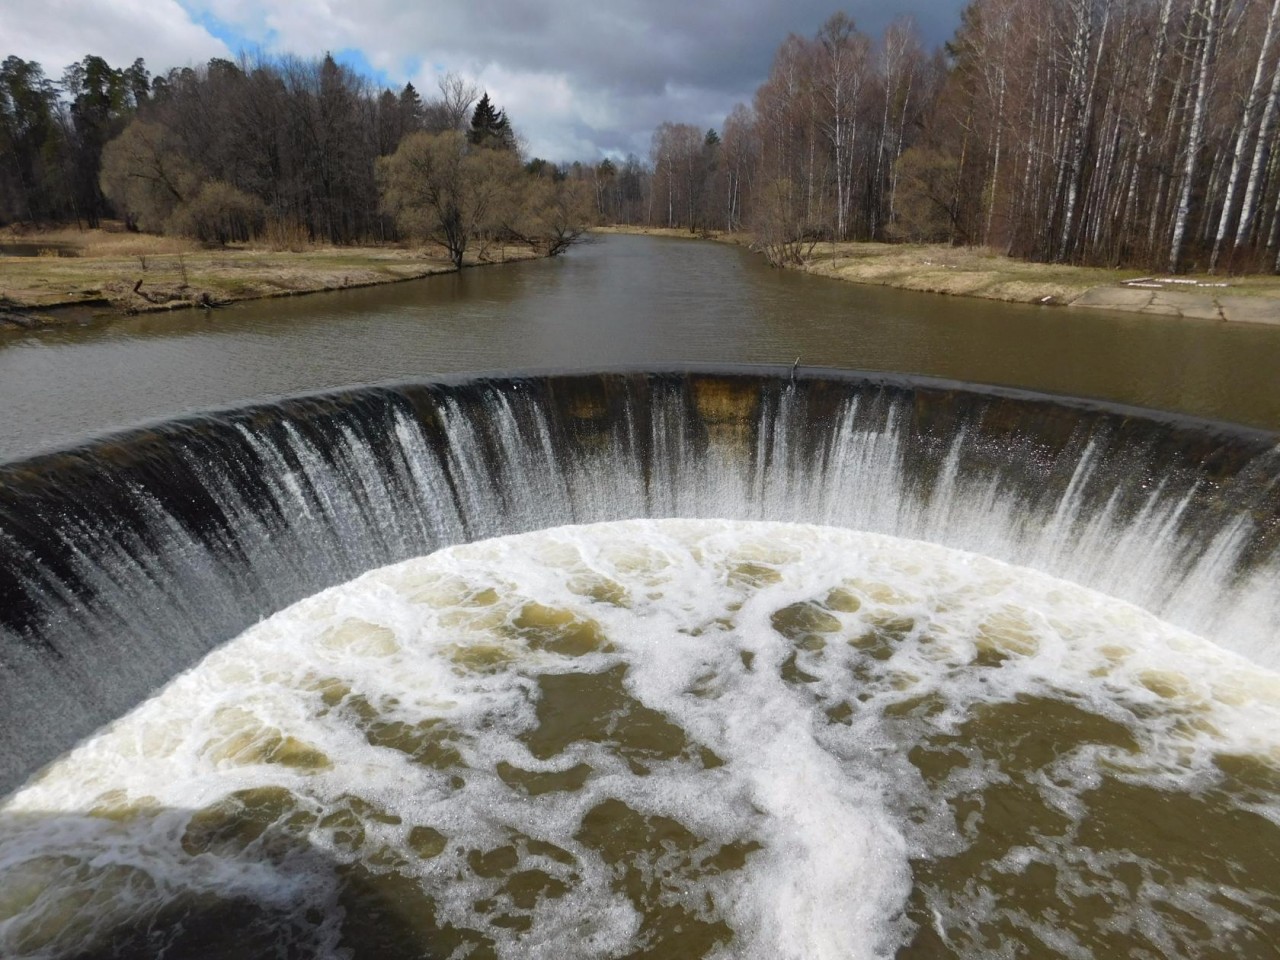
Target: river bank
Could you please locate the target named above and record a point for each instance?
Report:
(134, 273)
(633, 302)
(975, 272)
(122, 273)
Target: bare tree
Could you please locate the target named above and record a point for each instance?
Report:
(440, 189)
(740, 152)
(900, 59)
(457, 95)
(841, 55)
(1248, 120)
(678, 172)
(554, 211)
(1261, 154)
(146, 175)
(1206, 12)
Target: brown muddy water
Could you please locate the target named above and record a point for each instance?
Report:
(645, 738)
(620, 301)
(673, 739)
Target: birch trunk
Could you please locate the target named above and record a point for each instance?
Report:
(1261, 151)
(1076, 108)
(1148, 110)
(1195, 135)
(897, 152)
(881, 145)
(1251, 105)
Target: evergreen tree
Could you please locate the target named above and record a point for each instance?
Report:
(389, 123)
(100, 108)
(490, 127)
(31, 148)
(138, 80)
(410, 109)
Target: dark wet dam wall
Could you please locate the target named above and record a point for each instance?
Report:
(122, 562)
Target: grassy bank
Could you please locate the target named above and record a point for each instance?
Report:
(137, 273)
(975, 272)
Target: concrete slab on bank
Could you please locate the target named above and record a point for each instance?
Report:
(1180, 303)
(1251, 309)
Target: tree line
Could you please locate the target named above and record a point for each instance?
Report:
(1112, 132)
(289, 149)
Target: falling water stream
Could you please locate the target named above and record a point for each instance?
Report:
(925, 670)
(645, 302)
(675, 738)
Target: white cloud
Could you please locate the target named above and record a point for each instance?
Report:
(56, 33)
(578, 77)
(545, 109)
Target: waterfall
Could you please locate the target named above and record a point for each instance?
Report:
(124, 561)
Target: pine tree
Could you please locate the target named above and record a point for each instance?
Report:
(31, 149)
(490, 127)
(410, 109)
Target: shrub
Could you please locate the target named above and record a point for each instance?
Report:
(219, 213)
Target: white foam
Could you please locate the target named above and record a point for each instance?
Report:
(691, 609)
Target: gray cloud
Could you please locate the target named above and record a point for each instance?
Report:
(56, 33)
(578, 77)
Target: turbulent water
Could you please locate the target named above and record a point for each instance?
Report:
(673, 738)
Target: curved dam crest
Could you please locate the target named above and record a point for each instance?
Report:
(124, 561)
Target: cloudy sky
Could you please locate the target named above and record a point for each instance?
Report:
(579, 78)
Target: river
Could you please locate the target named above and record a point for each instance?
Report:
(733, 665)
(618, 301)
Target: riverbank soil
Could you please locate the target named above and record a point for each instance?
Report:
(137, 273)
(976, 272)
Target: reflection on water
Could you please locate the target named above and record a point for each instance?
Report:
(48, 249)
(624, 300)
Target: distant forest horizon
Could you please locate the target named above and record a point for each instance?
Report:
(1137, 133)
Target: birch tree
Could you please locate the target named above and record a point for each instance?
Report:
(842, 55)
(900, 61)
(740, 154)
(1247, 128)
(1207, 14)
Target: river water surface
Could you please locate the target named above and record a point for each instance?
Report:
(645, 738)
(619, 301)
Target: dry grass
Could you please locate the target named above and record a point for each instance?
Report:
(960, 271)
(136, 244)
(140, 273)
(284, 234)
(107, 241)
(682, 232)
(978, 272)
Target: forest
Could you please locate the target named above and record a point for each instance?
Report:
(1105, 132)
(291, 151)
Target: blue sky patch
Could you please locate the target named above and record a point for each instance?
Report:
(357, 61)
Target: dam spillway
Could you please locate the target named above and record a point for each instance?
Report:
(124, 561)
